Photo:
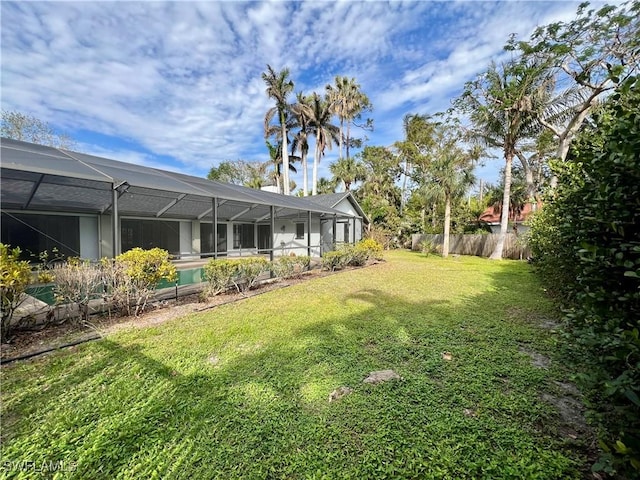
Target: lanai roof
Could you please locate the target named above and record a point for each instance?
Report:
(36, 177)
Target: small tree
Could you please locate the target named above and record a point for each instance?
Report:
(15, 275)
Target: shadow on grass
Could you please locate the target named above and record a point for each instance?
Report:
(262, 410)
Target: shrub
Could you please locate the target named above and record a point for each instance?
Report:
(290, 267)
(219, 276)
(372, 248)
(333, 260)
(353, 256)
(586, 246)
(429, 247)
(132, 277)
(76, 282)
(248, 270)
(15, 276)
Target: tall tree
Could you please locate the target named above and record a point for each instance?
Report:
(326, 185)
(27, 128)
(379, 194)
(276, 163)
(534, 158)
(349, 102)
(588, 56)
(279, 86)
(501, 104)
(302, 112)
(443, 166)
(418, 130)
(240, 172)
(347, 171)
(326, 134)
(518, 197)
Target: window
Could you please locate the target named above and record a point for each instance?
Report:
(206, 237)
(35, 234)
(299, 230)
(346, 238)
(149, 234)
(243, 236)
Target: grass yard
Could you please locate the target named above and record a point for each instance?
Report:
(242, 390)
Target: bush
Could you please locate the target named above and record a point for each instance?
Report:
(586, 247)
(76, 282)
(248, 270)
(290, 267)
(353, 256)
(372, 248)
(132, 277)
(15, 276)
(219, 276)
(429, 247)
(334, 260)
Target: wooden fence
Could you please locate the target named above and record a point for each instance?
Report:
(478, 245)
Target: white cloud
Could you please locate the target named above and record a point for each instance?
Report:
(182, 79)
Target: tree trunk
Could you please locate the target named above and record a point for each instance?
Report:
(305, 176)
(285, 158)
(348, 138)
(341, 139)
(433, 215)
(447, 226)
(407, 166)
(504, 218)
(316, 160)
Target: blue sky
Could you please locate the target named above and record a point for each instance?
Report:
(177, 85)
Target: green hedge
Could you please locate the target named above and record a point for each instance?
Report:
(586, 246)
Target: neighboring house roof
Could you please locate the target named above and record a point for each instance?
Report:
(492, 216)
(37, 177)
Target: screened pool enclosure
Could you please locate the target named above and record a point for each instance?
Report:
(88, 206)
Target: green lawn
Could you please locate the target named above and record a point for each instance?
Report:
(242, 390)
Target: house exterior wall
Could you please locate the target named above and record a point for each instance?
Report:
(89, 238)
(195, 237)
(186, 247)
(286, 243)
(106, 236)
(96, 235)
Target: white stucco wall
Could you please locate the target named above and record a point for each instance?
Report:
(185, 239)
(89, 244)
(195, 237)
(106, 236)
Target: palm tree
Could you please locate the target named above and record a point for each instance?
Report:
(347, 171)
(278, 88)
(348, 103)
(501, 104)
(445, 170)
(326, 186)
(325, 132)
(301, 111)
(275, 160)
(518, 198)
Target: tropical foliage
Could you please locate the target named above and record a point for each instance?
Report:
(15, 275)
(586, 244)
